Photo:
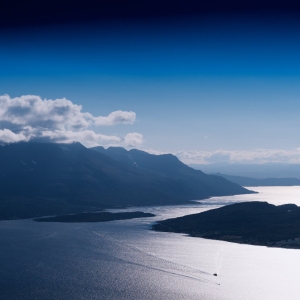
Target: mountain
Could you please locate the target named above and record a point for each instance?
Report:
(168, 165)
(39, 179)
(266, 170)
(246, 181)
(255, 223)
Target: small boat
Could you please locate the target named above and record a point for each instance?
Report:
(215, 274)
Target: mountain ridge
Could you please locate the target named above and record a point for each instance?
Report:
(247, 181)
(252, 170)
(39, 179)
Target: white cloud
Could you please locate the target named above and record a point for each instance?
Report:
(133, 139)
(7, 136)
(87, 137)
(116, 117)
(155, 152)
(257, 156)
(29, 117)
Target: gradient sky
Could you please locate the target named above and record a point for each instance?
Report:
(218, 88)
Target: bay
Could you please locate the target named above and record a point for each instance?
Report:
(126, 260)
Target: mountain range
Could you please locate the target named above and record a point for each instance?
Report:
(252, 170)
(246, 181)
(40, 179)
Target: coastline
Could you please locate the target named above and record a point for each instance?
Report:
(95, 217)
(252, 223)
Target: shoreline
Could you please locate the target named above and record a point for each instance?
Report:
(252, 223)
(95, 217)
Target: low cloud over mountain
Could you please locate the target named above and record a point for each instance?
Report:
(30, 117)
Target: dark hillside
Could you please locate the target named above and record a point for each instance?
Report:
(200, 184)
(256, 223)
(44, 179)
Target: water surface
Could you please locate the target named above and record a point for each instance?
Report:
(126, 260)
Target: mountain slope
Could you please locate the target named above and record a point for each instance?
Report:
(40, 179)
(168, 165)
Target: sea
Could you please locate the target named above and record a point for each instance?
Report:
(127, 260)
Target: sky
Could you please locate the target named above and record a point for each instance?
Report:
(207, 88)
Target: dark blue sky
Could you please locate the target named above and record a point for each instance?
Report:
(201, 83)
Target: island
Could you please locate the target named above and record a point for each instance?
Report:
(96, 217)
(254, 223)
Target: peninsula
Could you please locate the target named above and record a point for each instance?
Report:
(254, 223)
(96, 217)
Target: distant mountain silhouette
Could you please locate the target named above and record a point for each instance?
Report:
(246, 181)
(39, 179)
(252, 170)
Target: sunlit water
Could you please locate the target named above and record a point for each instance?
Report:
(126, 260)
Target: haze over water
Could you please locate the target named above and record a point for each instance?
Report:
(126, 260)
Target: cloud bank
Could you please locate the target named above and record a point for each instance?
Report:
(30, 118)
(258, 156)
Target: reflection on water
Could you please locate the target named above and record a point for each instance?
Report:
(126, 260)
(277, 195)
